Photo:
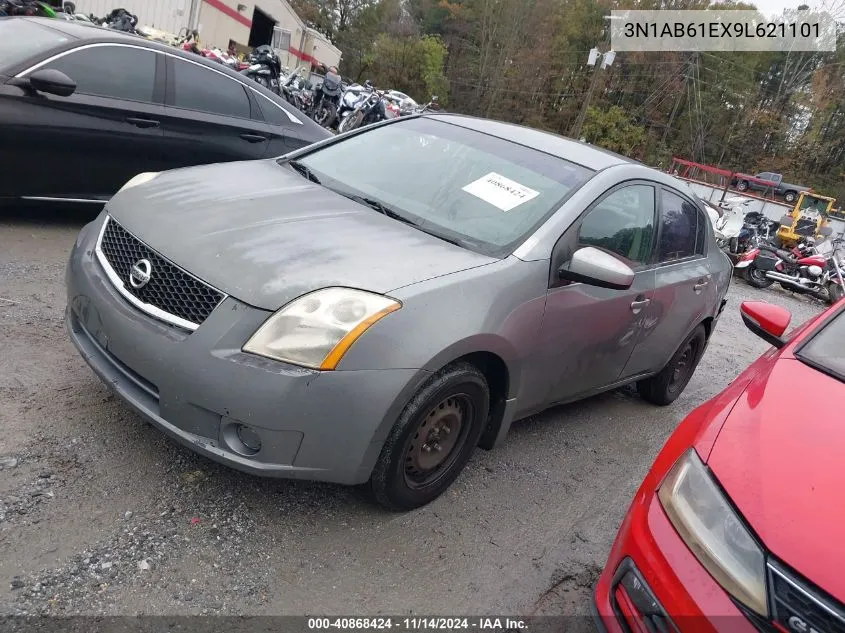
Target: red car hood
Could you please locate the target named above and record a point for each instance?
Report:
(781, 458)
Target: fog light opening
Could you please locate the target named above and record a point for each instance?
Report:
(242, 439)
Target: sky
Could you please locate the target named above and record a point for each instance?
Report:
(772, 8)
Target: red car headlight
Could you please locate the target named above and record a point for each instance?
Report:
(710, 527)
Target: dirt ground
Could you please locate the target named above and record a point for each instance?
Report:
(99, 513)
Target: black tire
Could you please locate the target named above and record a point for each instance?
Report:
(350, 122)
(400, 479)
(665, 387)
(834, 292)
(790, 196)
(756, 277)
(742, 186)
(326, 114)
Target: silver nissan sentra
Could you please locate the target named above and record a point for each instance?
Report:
(373, 307)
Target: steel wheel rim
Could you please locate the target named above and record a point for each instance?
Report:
(683, 366)
(438, 440)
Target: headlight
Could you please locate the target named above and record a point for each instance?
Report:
(140, 179)
(317, 329)
(711, 529)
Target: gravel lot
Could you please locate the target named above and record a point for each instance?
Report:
(99, 513)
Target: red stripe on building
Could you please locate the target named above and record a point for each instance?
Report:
(303, 56)
(230, 12)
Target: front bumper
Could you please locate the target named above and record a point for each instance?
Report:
(197, 387)
(650, 569)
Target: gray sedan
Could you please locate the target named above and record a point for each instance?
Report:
(373, 307)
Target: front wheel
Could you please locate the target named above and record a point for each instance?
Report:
(665, 387)
(834, 292)
(433, 438)
(325, 114)
(350, 122)
(756, 277)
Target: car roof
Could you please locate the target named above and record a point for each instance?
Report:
(589, 156)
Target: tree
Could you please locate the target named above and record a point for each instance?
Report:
(613, 130)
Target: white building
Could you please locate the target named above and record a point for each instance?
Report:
(249, 23)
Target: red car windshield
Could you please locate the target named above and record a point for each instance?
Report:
(825, 350)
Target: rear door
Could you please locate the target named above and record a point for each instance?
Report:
(209, 118)
(684, 285)
(287, 133)
(87, 145)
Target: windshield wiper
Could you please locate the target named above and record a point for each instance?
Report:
(381, 208)
(302, 169)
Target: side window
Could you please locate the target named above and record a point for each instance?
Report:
(118, 72)
(198, 88)
(622, 224)
(678, 228)
(273, 114)
(765, 175)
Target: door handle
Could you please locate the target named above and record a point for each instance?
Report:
(700, 286)
(253, 138)
(636, 306)
(142, 123)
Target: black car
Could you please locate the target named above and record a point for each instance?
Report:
(83, 109)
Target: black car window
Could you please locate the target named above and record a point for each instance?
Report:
(21, 39)
(273, 114)
(678, 228)
(198, 88)
(622, 224)
(119, 72)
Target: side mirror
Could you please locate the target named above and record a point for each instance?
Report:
(594, 267)
(52, 81)
(766, 320)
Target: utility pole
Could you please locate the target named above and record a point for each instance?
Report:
(595, 55)
(607, 59)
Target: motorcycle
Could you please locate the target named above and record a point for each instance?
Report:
(327, 100)
(352, 93)
(802, 269)
(265, 68)
(369, 109)
(731, 221)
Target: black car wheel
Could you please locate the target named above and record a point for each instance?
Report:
(665, 387)
(742, 186)
(433, 438)
(789, 196)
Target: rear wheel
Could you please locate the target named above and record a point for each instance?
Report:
(742, 186)
(756, 277)
(834, 292)
(665, 387)
(433, 438)
(790, 196)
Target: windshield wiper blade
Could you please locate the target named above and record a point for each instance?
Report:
(382, 208)
(302, 169)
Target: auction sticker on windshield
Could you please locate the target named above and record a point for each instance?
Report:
(503, 193)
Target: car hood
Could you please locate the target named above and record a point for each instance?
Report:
(265, 235)
(779, 458)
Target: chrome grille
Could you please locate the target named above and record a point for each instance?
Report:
(171, 294)
(796, 603)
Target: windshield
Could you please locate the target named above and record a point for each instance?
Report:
(826, 348)
(21, 39)
(483, 192)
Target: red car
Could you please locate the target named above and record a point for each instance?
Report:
(740, 524)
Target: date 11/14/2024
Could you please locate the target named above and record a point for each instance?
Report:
(418, 623)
